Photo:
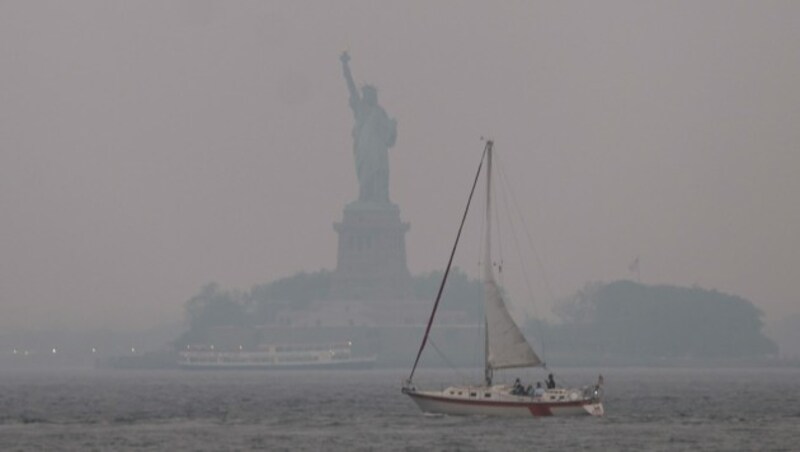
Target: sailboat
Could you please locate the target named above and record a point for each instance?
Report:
(505, 348)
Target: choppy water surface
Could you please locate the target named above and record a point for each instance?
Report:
(646, 409)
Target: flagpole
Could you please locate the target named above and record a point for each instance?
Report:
(634, 268)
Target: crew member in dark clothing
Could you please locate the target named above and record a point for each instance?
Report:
(551, 384)
(517, 389)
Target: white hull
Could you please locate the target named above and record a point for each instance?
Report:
(283, 356)
(501, 403)
(351, 363)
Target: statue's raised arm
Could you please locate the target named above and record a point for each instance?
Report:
(348, 77)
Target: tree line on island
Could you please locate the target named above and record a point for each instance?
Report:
(622, 321)
(629, 322)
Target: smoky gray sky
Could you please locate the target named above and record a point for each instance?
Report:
(147, 148)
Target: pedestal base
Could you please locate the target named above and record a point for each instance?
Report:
(371, 263)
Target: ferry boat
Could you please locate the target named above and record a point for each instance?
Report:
(285, 356)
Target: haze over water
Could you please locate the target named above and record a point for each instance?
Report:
(147, 149)
(646, 409)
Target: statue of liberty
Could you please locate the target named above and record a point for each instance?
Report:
(373, 134)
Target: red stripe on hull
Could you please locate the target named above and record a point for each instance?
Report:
(538, 410)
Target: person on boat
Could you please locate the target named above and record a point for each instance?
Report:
(551, 383)
(517, 389)
(539, 391)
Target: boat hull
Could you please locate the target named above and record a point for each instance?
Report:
(437, 403)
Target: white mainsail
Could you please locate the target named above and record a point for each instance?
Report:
(506, 345)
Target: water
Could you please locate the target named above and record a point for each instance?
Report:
(646, 409)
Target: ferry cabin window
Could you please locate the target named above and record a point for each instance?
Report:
(473, 394)
(488, 394)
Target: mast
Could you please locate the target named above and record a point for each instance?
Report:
(487, 259)
(507, 346)
(488, 373)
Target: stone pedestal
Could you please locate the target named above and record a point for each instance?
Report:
(371, 263)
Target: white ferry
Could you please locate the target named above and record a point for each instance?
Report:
(286, 356)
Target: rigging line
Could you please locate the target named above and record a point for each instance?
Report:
(478, 351)
(505, 184)
(447, 361)
(480, 243)
(513, 229)
(449, 262)
(509, 192)
(480, 335)
(499, 240)
(536, 254)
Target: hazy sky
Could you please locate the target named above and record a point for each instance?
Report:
(147, 148)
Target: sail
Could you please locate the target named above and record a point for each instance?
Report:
(506, 345)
